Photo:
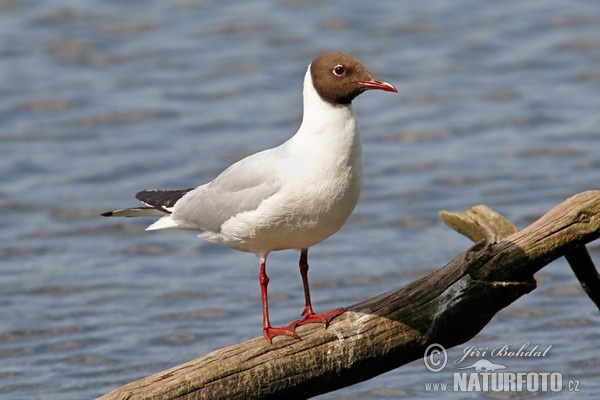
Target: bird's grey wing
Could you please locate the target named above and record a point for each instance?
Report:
(241, 187)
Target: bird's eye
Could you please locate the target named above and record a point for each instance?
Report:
(339, 70)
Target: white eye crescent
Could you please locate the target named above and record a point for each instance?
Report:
(339, 70)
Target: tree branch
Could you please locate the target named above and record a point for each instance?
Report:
(582, 265)
(449, 306)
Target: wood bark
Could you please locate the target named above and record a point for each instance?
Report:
(448, 306)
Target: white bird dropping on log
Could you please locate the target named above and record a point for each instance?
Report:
(292, 196)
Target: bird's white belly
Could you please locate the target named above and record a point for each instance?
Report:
(294, 219)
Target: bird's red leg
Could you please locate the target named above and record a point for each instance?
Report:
(268, 331)
(309, 314)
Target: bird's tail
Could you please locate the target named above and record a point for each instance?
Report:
(159, 203)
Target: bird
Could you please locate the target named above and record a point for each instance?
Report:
(289, 197)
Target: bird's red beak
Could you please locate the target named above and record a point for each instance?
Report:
(378, 84)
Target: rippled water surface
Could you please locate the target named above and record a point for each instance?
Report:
(498, 104)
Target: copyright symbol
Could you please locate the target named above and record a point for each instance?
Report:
(435, 357)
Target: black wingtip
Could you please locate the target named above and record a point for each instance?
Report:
(161, 199)
(107, 214)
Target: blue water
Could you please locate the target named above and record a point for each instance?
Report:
(498, 104)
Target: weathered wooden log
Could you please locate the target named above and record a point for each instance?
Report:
(448, 306)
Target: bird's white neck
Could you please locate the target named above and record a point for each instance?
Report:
(329, 137)
(320, 116)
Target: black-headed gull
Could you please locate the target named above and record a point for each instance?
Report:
(292, 196)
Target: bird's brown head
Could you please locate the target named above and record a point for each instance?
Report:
(338, 78)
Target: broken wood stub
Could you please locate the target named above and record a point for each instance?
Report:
(582, 265)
